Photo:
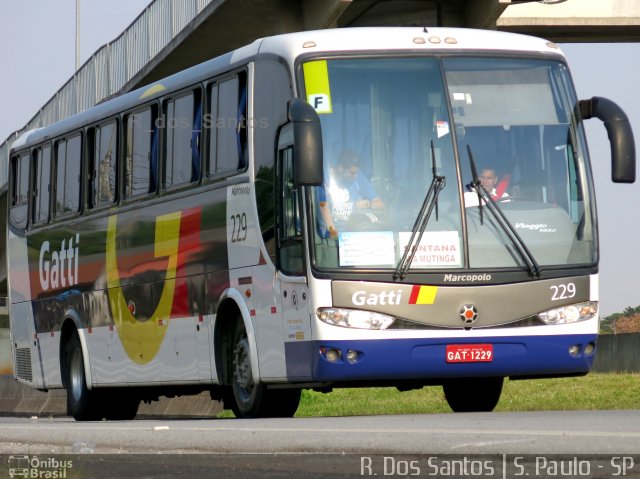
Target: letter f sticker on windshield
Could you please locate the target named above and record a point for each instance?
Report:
(316, 83)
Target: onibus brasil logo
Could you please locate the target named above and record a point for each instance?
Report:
(35, 467)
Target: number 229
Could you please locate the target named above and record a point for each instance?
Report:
(239, 229)
(563, 291)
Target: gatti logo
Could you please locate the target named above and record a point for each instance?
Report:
(59, 268)
(383, 298)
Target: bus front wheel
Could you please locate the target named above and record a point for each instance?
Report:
(251, 399)
(473, 394)
(119, 405)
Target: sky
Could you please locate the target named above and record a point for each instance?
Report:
(37, 50)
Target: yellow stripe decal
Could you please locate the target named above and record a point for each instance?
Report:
(152, 90)
(427, 294)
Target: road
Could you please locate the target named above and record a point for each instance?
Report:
(330, 447)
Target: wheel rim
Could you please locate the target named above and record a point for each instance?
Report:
(76, 375)
(242, 375)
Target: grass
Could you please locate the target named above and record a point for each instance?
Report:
(595, 391)
(591, 392)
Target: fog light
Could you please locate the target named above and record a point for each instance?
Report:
(332, 355)
(352, 356)
(589, 348)
(574, 350)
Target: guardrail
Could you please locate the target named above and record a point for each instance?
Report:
(618, 353)
(112, 65)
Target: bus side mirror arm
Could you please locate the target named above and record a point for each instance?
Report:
(307, 144)
(623, 151)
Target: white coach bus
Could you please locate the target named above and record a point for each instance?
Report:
(342, 208)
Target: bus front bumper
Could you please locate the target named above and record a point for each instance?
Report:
(432, 359)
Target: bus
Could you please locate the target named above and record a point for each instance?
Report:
(176, 240)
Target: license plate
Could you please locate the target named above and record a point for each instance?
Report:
(469, 353)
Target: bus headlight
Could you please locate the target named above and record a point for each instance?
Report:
(354, 318)
(570, 314)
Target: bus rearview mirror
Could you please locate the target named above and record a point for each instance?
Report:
(623, 151)
(307, 143)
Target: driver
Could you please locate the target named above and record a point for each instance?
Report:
(489, 180)
(348, 189)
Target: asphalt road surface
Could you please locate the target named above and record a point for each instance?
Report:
(592, 444)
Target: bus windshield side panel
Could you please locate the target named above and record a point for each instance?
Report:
(386, 134)
(515, 119)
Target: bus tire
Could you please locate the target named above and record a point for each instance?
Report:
(120, 405)
(82, 403)
(283, 402)
(252, 400)
(473, 394)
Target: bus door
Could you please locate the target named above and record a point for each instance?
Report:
(294, 294)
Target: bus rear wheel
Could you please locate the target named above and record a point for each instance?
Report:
(473, 394)
(82, 403)
(252, 400)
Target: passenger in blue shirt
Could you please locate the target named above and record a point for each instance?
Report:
(347, 190)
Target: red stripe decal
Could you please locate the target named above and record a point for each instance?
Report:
(415, 291)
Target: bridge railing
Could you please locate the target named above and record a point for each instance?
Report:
(109, 69)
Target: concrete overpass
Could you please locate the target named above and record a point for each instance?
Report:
(576, 20)
(228, 24)
(216, 30)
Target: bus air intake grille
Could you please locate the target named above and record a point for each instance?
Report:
(23, 364)
(401, 323)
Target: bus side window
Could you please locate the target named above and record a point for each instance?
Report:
(196, 144)
(103, 164)
(21, 180)
(68, 162)
(241, 125)
(41, 182)
(182, 129)
(289, 233)
(212, 127)
(228, 126)
(20, 190)
(271, 93)
(141, 154)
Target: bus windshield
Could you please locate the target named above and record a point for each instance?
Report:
(391, 126)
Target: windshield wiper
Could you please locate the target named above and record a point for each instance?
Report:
(430, 201)
(517, 241)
